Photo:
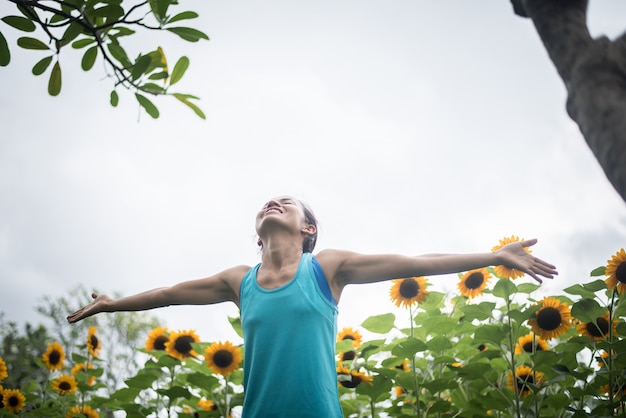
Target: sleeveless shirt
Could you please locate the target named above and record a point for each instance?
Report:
(289, 340)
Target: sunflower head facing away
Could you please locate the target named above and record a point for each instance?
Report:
(409, 291)
(93, 343)
(600, 329)
(472, 283)
(3, 370)
(616, 272)
(54, 356)
(503, 271)
(530, 343)
(352, 378)
(524, 379)
(179, 344)
(64, 384)
(13, 400)
(157, 339)
(349, 333)
(223, 358)
(552, 319)
(82, 411)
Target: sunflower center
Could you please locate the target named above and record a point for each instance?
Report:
(348, 355)
(409, 288)
(223, 358)
(65, 386)
(93, 341)
(347, 337)
(13, 401)
(54, 357)
(523, 380)
(620, 272)
(159, 342)
(475, 280)
(599, 329)
(549, 318)
(183, 344)
(352, 383)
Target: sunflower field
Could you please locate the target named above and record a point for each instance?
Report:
(491, 349)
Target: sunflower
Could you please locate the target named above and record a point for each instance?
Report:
(530, 343)
(408, 291)
(603, 359)
(524, 376)
(157, 339)
(503, 271)
(482, 347)
(616, 272)
(352, 378)
(552, 319)
(3, 370)
(404, 366)
(598, 329)
(81, 367)
(84, 411)
(13, 400)
(206, 405)
(348, 333)
(64, 384)
(54, 356)
(179, 344)
(474, 282)
(347, 355)
(93, 343)
(223, 358)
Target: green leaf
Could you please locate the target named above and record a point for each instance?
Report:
(175, 392)
(115, 99)
(587, 310)
(527, 287)
(188, 34)
(42, 65)
(147, 105)
(598, 271)
(504, 288)
(379, 324)
(89, 58)
(31, 43)
(72, 31)
(5, 54)
(81, 43)
(159, 9)
(179, 70)
(19, 23)
(408, 348)
(159, 76)
(140, 67)
(182, 16)
(118, 53)
(111, 12)
(489, 334)
(54, 84)
(481, 311)
(235, 322)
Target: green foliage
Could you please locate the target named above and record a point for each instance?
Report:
(102, 26)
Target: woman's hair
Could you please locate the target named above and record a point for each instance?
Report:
(309, 241)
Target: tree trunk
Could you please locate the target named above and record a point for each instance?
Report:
(594, 73)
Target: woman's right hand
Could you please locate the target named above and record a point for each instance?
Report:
(98, 305)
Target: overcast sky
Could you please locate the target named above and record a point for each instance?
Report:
(409, 126)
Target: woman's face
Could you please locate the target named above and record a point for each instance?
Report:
(284, 209)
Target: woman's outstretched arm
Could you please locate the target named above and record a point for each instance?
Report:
(345, 267)
(222, 287)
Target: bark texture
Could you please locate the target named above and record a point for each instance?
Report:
(594, 73)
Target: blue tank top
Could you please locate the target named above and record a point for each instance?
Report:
(289, 339)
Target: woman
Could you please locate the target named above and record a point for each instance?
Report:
(288, 305)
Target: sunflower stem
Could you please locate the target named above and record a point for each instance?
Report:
(418, 412)
(512, 362)
(226, 400)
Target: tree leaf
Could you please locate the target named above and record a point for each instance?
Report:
(140, 67)
(188, 34)
(5, 54)
(81, 43)
(54, 84)
(42, 65)
(19, 23)
(89, 58)
(182, 16)
(147, 105)
(119, 54)
(72, 31)
(111, 12)
(194, 107)
(152, 88)
(31, 43)
(115, 99)
(179, 70)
